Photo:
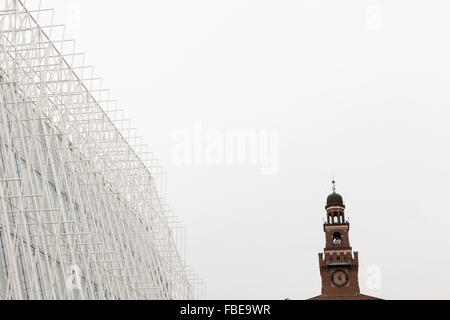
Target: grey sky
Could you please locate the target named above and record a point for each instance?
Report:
(359, 88)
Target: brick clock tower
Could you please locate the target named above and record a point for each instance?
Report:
(338, 263)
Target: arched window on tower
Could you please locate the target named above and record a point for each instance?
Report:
(337, 240)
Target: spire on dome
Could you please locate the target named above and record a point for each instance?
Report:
(334, 199)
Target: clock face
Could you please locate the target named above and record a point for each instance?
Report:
(339, 278)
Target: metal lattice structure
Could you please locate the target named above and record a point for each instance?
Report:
(82, 209)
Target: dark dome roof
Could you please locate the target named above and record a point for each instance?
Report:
(335, 199)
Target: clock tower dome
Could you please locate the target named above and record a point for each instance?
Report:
(338, 263)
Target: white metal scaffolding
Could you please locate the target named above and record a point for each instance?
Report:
(82, 209)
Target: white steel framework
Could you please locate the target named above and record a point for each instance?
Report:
(82, 210)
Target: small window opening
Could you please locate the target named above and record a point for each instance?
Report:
(337, 240)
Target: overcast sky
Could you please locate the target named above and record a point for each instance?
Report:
(358, 89)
